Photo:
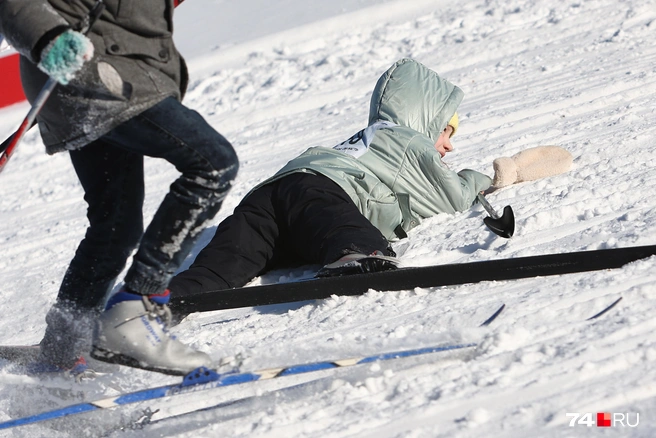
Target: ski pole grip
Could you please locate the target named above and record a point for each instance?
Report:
(86, 23)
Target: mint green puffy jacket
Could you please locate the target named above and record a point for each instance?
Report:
(391, 169)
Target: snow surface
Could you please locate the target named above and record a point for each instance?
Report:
(278, 79)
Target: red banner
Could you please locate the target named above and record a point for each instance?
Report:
(11, 90)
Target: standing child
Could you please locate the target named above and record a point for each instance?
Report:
(118, 101)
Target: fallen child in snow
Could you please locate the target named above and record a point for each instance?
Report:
(340, 207)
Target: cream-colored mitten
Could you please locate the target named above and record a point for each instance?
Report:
(505, 172)
(531, 164)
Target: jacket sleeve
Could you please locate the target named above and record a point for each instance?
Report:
(456, 190)
(25, 22)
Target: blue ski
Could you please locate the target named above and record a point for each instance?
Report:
(203, 379)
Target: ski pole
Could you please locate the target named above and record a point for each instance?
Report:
(502, 225)
(9, 145)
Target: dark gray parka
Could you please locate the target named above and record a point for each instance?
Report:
(135, 65)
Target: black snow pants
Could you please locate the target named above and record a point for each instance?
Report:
(299, 219)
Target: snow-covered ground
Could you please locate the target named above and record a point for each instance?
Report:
(277, 79)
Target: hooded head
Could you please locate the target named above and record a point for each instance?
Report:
(410, 94)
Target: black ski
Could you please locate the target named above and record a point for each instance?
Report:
(409, 278)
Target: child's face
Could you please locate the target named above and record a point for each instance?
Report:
(443, 143)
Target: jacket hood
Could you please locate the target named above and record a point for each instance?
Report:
(412, 95)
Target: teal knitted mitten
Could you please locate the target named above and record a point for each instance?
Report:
(65, 55)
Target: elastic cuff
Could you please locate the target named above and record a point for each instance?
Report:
(45, 40)
(145, 280)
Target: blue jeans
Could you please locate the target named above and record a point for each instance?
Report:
(111, 173)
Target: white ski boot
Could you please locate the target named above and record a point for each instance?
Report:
(133, 331)
(67, 337)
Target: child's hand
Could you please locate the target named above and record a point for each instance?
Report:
(65, 55)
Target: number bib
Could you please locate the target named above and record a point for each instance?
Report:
(357, 145)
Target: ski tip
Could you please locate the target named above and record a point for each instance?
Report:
(597, 315)
(494, 316)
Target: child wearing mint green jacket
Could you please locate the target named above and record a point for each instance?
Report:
(340, 207)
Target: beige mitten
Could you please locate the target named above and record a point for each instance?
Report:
(531, 164)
